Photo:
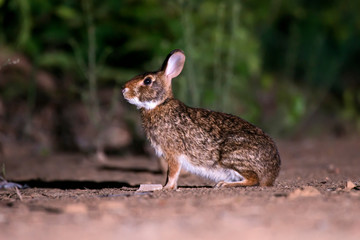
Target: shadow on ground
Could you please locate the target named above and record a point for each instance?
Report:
(72, 184)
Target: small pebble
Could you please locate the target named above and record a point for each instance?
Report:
(350, 185)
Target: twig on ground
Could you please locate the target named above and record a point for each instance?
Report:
(19, 194)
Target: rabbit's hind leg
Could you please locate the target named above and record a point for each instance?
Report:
(250, 178)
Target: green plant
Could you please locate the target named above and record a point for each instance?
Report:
(275, 63)
(90, 71)
(221, 57)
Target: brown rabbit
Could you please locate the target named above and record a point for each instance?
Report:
(218, 146)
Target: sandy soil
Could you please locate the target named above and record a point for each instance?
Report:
(73, 197)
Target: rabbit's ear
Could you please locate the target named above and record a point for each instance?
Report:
(174, 63)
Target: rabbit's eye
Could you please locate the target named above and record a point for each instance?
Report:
(147, 81)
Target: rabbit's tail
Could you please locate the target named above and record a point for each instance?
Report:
(272, 172)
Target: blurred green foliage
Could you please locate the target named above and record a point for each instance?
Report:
(276, 63)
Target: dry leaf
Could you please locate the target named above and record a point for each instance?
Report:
(149, 187)
(350, 185)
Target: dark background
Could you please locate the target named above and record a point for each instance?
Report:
(291, 67)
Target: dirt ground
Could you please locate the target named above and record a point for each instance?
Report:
(73, 197)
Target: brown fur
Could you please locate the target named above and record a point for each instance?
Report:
(208, 141)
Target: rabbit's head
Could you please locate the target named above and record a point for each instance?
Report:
(150, 89)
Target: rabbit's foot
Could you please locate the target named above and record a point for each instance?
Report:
(170, 187)
(233, 184)
(250, 178)
(223, 184)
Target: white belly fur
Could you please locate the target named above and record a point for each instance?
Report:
(215, 174)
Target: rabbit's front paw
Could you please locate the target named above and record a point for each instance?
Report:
(170, 187)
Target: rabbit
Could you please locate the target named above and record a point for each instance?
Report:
(222, 147)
